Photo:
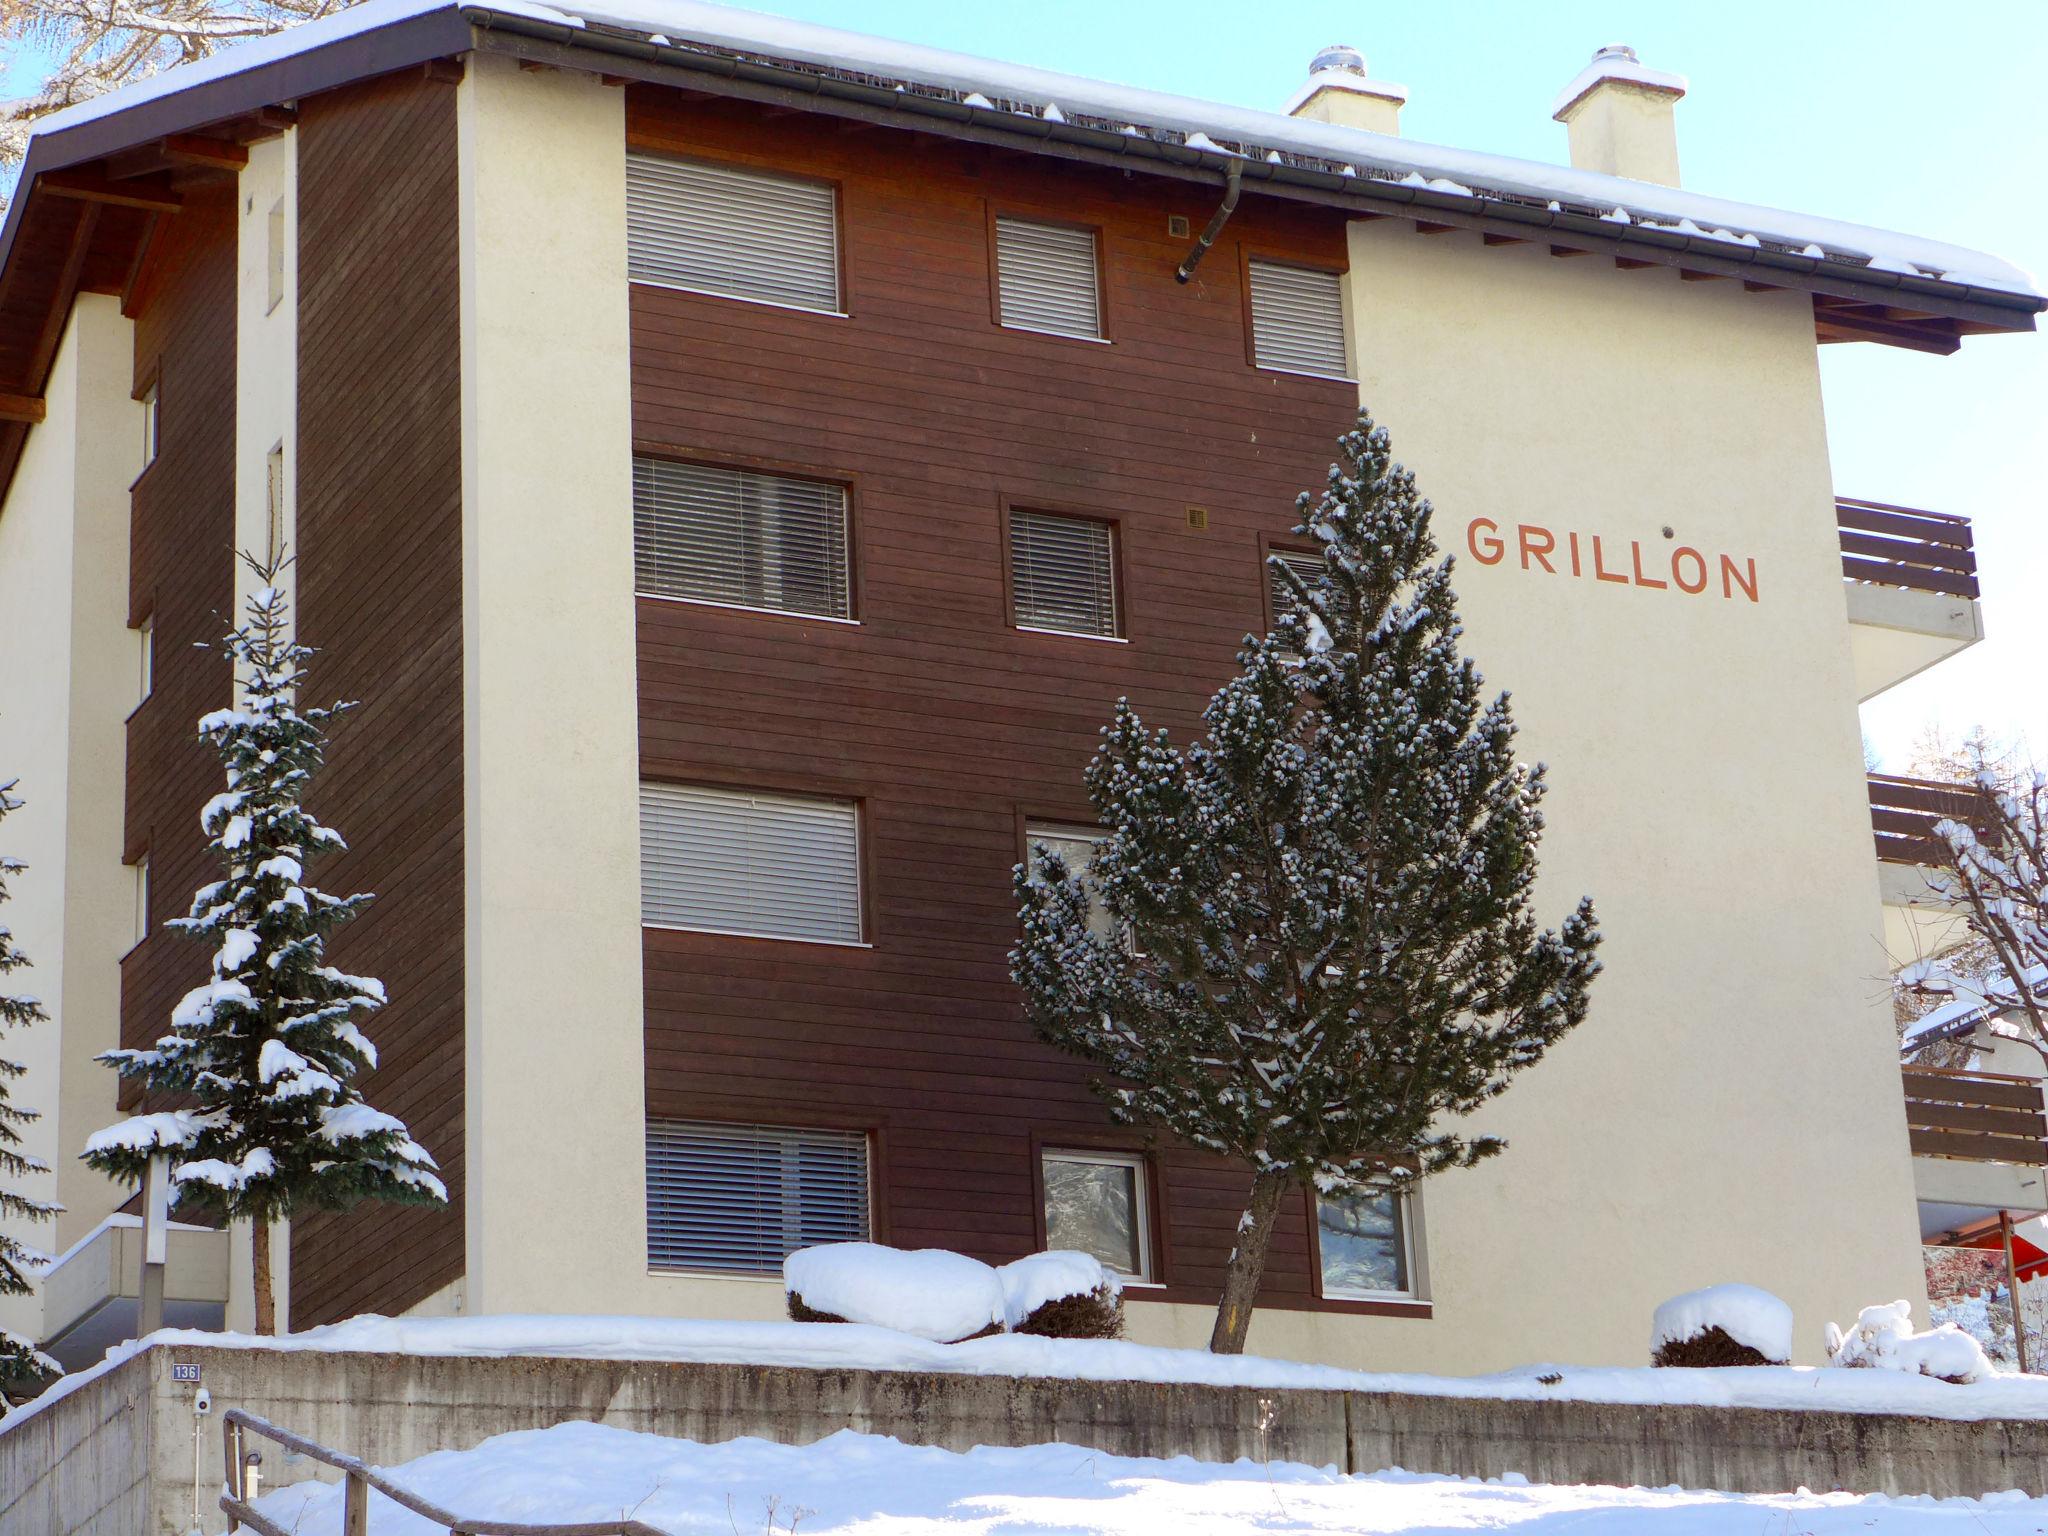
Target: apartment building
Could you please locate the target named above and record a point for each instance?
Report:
(739, 465)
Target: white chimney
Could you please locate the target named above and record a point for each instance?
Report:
(1621, 117)
(1338, 90)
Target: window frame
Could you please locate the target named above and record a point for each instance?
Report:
(849, 484)
(274, 231)
(1248, 256)
(782, 1118)
(1119, 588)
(863, 860)
(1413, 1301)
(144, 630)
(1145, 1219)
(767, 169)
(1268, 547)
(149, 395)
(141, 926)
(996, 212)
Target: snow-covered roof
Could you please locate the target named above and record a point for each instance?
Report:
(1066, 103)
(1971, 1006)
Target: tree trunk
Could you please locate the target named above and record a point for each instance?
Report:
(1247, 1265)
(259, 1266)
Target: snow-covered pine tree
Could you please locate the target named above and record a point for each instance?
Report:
(1326, 952)
(79, 49)
(19, 1358)
(264, 1055)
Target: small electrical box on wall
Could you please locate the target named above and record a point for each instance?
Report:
(1176, 226)
(1198, 519)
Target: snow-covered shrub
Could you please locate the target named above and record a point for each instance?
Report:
(928, 1292)
(1722, 1325)
(1062, 1295)
(1883, 1338)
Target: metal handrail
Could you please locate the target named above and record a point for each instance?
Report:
(361, 1480)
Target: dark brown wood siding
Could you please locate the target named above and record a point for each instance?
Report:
(949, 726)
(181, 578)
(380, 545)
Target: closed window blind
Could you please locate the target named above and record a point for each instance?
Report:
(1063, 574)
(1308, 567)
(745, 1197)
(1047, 278)
(732, 536)
(1298, 320)
(729, 861)
(742, 234)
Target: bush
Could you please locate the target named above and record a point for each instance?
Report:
(1709, 1347)
(1096, 1314)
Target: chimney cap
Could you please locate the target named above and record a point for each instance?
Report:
(1340, 67)
(1616, 62)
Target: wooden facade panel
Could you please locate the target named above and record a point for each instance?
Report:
(949, 726)
(380, 538)
(182, 519)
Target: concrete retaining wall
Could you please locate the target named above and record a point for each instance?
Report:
(117, 1456)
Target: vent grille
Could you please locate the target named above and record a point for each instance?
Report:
(730, 861)
(740, 234)
(745, 1197)
(731, 536)
(1063, 574)
(1047, 277)
(1298, 320)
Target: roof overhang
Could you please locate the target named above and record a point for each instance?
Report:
(91, 192)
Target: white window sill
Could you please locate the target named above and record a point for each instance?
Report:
(748, 933)
(741, 298)
(1390, 1298)
(1307, 373)
(778, 613)
(1071, 634)
(1039, 330)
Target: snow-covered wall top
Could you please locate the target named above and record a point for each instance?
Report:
(1058, 97)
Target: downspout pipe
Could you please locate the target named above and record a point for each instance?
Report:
(1232, 176)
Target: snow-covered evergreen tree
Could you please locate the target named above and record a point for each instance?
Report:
(1995, 871)
(19, 1357)
(264, 1056)
(1325, 952)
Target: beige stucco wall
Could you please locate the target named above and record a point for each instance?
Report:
(1730, 1111)
(553, 1097)
(1621, 129)
(70, 679)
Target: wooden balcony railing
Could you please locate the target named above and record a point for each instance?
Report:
(1903, 813)
(1984, 1117)
(1901, 547)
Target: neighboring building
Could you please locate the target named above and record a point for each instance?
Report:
(868, 370)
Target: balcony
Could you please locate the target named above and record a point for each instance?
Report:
(1911, 582)
(1980, 1146)
(1903, 814)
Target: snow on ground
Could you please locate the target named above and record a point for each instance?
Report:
(1743, 1312)
(848, 1346)
(869, 1485)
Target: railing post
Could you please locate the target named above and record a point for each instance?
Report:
(355, 1506)
(2012, 1286)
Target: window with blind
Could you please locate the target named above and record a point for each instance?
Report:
(738, 538)
(1306, 566)
(733, 861)
(1298, 320)
(739, 234)
(1046, 278)
(745, 1197)
(1062, 574)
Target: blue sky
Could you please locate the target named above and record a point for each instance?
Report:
(1930, 120)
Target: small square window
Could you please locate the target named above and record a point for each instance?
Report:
(141, 871)
(1097, 1203)
(1046, 279)
(1063, 574)
(149, 424)
(1298, 320)
(1366, 1245)
(274, 244)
